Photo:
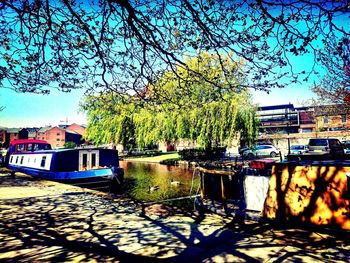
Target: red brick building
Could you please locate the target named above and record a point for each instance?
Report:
(57, 136)
(16, 134)
(53, 135)
(332, 118)
(77, 128)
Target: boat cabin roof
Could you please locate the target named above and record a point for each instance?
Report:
(29, 146)
(27, 141)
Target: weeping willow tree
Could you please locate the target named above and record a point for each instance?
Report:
(110, 120)
(180, 106)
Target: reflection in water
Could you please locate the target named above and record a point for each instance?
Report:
(156, 182)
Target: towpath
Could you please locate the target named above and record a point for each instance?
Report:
(42, 221)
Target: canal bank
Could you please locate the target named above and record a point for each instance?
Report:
(48, 221)
(175, 159)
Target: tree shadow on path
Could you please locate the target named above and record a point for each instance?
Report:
(84, 227)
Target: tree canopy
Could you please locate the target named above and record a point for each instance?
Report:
(123, 46)
(335, 86)
(193, 109)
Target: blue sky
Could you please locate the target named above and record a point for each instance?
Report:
(299, 95)
(30, 110)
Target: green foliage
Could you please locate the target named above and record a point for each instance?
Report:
(191, 109)
(70, 145)
(201, 153)
(109, 120)
(153, 152)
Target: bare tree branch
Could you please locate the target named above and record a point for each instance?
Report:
(126, 45)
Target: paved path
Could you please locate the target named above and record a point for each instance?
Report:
(50, 222)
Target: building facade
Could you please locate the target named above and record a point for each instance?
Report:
(80, 129)
(16, 134)
(57, 136)
(53, 135)
(278, 119)
(284, 125)
(287, 119)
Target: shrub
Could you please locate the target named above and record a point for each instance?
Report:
(153, 152)
(202, 154)
(70, 145)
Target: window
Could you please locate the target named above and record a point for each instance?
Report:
(297, 147)
(343, 118)
(17, 159)
(11, 159)
(306, 130)
(334, 142)
(30, 147)
(20, 147)
(58, 134)
(42, 146)
(325, 120)
(318, 142)
(43, 161)
(22, 158)
(85, 161)
(93, 159)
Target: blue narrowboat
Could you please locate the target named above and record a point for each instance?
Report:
(75, 166)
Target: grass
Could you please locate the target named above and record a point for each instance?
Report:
(155, 159)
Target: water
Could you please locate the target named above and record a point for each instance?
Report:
(149, 182)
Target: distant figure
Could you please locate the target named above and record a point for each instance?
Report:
(2, 156)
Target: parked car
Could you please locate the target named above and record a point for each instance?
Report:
(346, 145)
(243, 149)
(261, 150)
(324, 146)
(298, 149)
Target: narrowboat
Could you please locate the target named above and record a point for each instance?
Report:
(77, 166)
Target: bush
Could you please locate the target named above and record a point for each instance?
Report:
(70, 145)
(202, 154)
(153, 152)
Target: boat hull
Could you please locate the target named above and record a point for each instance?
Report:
(62, 176)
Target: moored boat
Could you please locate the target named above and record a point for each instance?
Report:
(75, 166)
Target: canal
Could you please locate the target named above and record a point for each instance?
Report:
(149, 182)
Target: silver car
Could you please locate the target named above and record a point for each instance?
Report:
(326, 146)
(298, 149)
(261, 150)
